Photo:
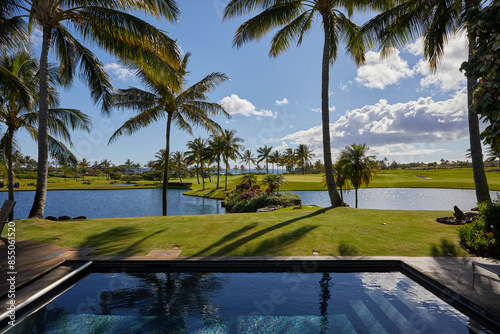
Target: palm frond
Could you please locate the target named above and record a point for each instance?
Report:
(138, 122)
(350, 36)
(128, 36)
(273, 17)
(135, 98)
(292, 32)
(237, 8)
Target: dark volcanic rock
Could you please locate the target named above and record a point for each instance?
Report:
(51, 218)
(459, 214)
(61, 218)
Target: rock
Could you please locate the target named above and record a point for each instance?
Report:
(458, 213)
(51, 218)
(267, 208)
(384, 224)
(471, 214)
(62, 218)
(80, 218)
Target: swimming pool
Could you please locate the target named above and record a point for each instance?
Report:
(298, 298)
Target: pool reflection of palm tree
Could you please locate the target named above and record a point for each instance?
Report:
(324, 297)
(173, 298)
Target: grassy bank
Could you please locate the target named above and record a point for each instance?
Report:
(288, 232)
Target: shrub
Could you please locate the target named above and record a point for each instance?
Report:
(26, 176)
(115, 175)
(479, 237)
(260, 200)
(130, 178)
(152, 176)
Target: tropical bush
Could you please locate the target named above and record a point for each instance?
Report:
(115, 175)
(250, 201)
(481, 236)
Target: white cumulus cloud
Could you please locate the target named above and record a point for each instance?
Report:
(118, 70)
(385, 125)
(380, 73)
(235, 105)
(447, 76)
(282, 102)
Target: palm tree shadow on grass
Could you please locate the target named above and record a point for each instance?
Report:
(246, 239)
(446, 248)
(278, 243)
(112, 240)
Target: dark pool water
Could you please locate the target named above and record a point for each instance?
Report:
(246, 303)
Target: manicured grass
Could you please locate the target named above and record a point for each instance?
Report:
(288, 232)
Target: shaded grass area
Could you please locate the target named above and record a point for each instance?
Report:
(289, 232)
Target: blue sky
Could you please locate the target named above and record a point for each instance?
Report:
(395, 106)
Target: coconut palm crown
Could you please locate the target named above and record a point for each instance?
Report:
(180, 105)
(294, 19)
(436, 21)
(107, 24)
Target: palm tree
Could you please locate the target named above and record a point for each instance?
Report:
(108, 25)
(340, 173)
(159, 163)
(17, 113)
(275, 159)
(251, 179)
(129, 164)
(247, 158)
(274, 182)
(179, 104)
(106, 165)
(296, 18)
(492, 154)
(435, 20)
(304, 155)
(289, 158)
(264, 153)
(196, 155)
(178, 162)
(359, 167)
(231, 149)
(216, 150)
(83, 165)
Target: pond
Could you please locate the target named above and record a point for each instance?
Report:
(399, 198)
(147, 202)
(115, 203)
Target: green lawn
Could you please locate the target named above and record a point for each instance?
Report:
(288, 232)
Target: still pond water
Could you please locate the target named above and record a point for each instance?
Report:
(147, 202)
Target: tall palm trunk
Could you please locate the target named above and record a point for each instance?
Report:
(198, 173)
(218, 170)
(227, 170)
(10, 176)
(333, 193)
(202, 176)
(480, 181)
(166, 169)
(356, 196)
(43, 157)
